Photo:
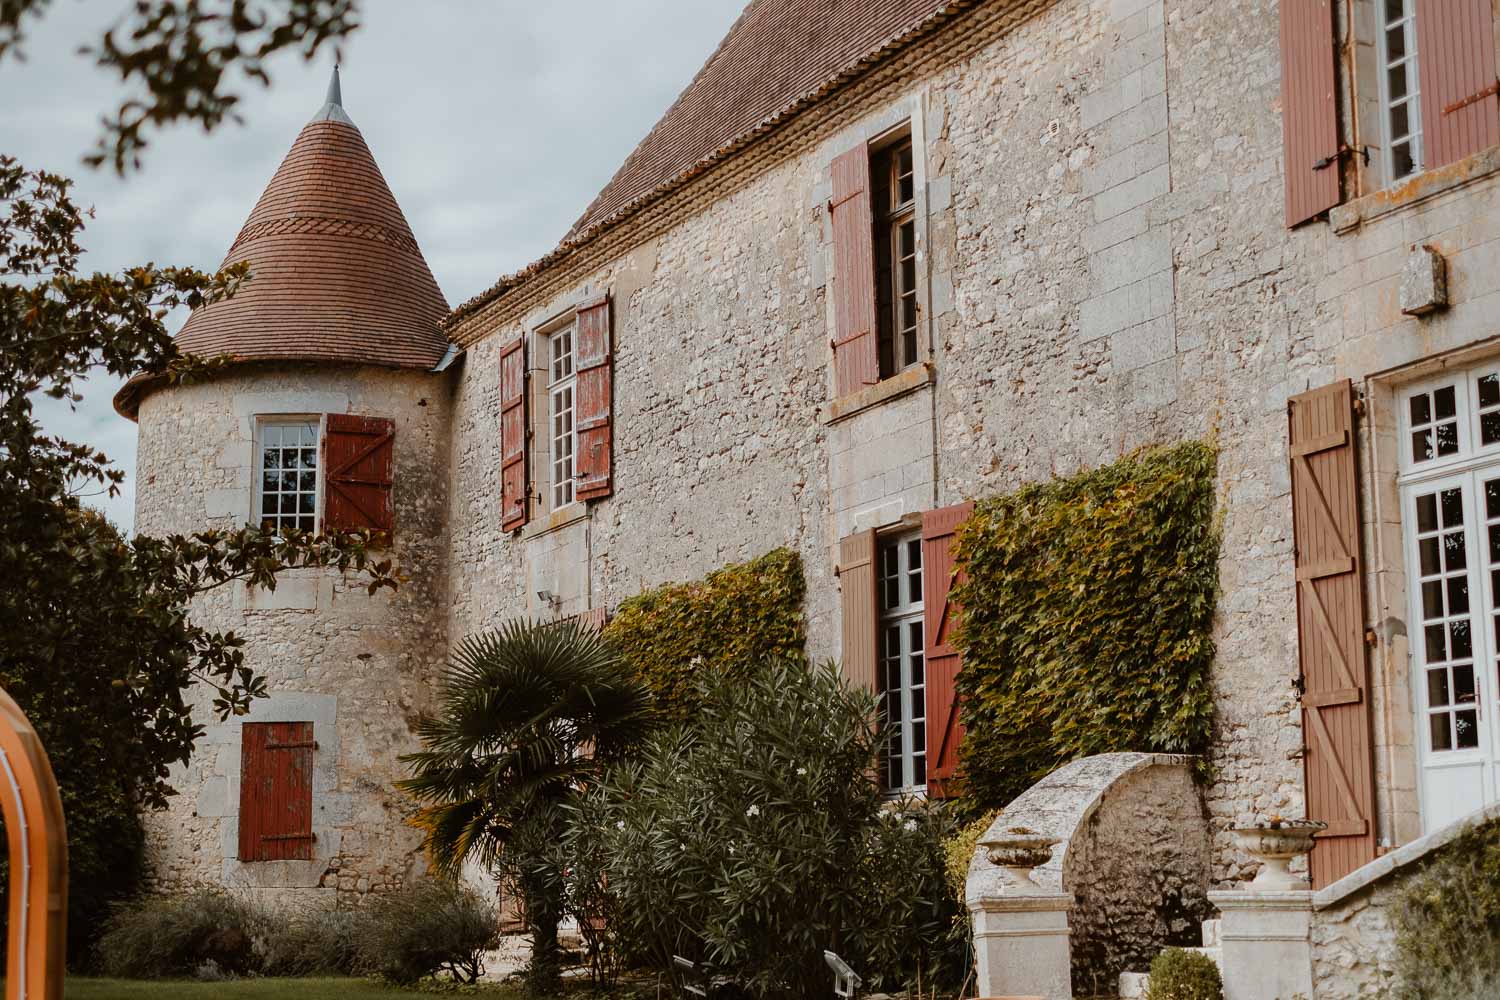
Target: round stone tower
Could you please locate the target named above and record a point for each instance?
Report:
(333, 413)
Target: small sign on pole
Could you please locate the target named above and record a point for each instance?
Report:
(845, 979)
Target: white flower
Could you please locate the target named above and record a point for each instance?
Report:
(753, 811)
(620, 825)
(801, 771)
(910, 825)
(731, 848)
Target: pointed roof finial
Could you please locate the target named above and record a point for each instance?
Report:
(333, 105)
(335, 96)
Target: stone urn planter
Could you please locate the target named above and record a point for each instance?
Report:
(1274, 843)
(1018, 850)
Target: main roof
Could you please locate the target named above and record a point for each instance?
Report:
(779, 56)
(335, 272)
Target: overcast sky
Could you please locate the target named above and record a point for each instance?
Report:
(495, 123)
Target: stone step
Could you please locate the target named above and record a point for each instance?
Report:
(1133, 985)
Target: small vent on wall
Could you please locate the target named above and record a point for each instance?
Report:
(1053, 130)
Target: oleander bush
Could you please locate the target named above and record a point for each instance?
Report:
(1087, 623)
(1178, 974)
(168, 936)
(736, 618)
(1447, 923)
(754, 839)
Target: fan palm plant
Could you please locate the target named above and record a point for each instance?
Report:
(529, 713)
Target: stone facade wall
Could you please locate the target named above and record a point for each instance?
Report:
(359, 668)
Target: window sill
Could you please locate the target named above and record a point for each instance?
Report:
(1348, 217)
(560, 518)
(910, 380)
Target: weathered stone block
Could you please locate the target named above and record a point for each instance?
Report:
(1424, 282)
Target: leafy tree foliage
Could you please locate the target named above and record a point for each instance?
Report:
(181, 55)
(530, 714)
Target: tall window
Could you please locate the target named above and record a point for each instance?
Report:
(894, 198)
(289, 474)
(1401, 108)
(1450, 462)
(902, 671)
(561, 433)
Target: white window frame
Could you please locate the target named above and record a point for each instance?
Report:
(1468, 468)
(901, 659)
(262, 425)
(1407, 25)
(562, 385)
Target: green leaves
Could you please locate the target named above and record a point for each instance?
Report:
(733, 620)
(1088, 619)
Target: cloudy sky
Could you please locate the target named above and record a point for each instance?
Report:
(494, 121)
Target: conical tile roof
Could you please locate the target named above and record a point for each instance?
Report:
(336, 274)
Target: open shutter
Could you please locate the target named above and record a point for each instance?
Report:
(358, 468)
(1456, 66)
(855, 361)
(513, 434)
(1338, 758)
(1309, 115)
(595, 367)
(940, 618)
(276, 766)
(857, 591)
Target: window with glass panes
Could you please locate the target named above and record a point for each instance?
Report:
(289, 474)
(561, 433)
(901, 669)
(1450, 473)
(1400, 99)
(893, 183)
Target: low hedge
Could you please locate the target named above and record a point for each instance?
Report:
(744, 614)
(1087, 624)
(1447, 922)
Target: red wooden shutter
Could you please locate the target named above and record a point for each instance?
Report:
(940, 618)
(1338, 759)
(358, 468)
(855, 361)
(1309, 115)
(595, 367)
(594, 618)
(857, 593)
(513, 485)
(1456, 66)
(276, 765)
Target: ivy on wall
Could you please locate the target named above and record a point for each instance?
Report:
(1087, 619)
(734, 619)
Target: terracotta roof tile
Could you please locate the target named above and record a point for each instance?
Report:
(335, 271)
(777, 58)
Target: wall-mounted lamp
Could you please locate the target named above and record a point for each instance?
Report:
(550, 599)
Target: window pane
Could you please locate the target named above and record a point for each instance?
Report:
(1453, 508)
(1432, 599)
(1447, 439)
(1421, 410)
(1402, 161)
(1459, 642)
(1489, 427)
(1463, 685)
(1429, 551)
(306, 503)
(919, 771)
(1394, 10)
(1492, 498)
(1444, 402)
(1400, 121)
(1437, 647)
(1396, 80)
(1467, 726)
(1458, 595)
(1427, 513)
(1437, 688)
(1489, 390)
(1441, 738)
(1455, 556)
(269, 505)
(1421, 446)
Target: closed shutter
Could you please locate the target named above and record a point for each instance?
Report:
(1309, 114)
(513, 487)
(358, 469)
(595, 369)
(1338, 760)
(855, 361)
(857, 590)
(276, 766)
(1456, 66)
(940, 618)
(594, 618)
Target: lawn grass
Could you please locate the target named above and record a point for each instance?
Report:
(87, 988)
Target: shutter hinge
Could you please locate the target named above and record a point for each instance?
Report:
(1475, 98)
(1371, 639)
(1343, 151)
(1359, 406)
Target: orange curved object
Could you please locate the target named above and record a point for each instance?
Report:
(38, 840)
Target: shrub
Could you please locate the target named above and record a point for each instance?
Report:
(1088, 619)
(1447, 923)
(755, 839)
(428, 927)
(739, 616)
(958, 851)
(1177, 974)
(176, 936)
(318, 942)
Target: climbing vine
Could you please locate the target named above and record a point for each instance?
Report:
(738, 617)
(1088, 619)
